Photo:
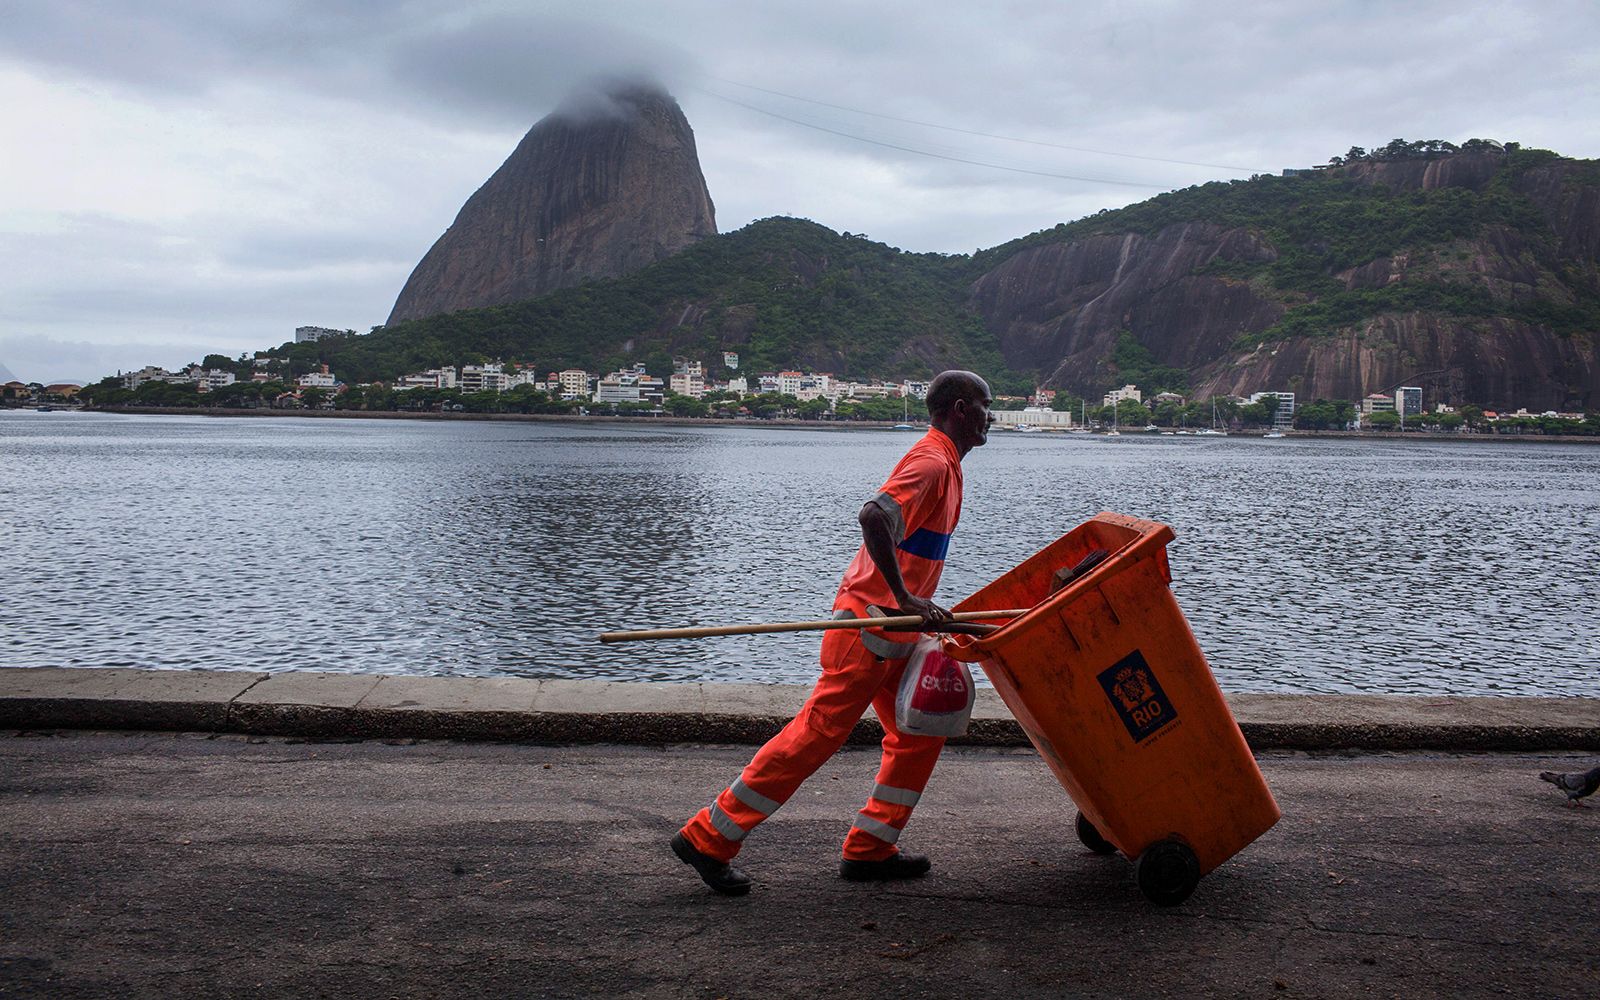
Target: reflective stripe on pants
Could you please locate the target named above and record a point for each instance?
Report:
(852, 678)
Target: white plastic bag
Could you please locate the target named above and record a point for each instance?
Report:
(936, 693)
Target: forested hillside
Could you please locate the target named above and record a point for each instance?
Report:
(1474, 270)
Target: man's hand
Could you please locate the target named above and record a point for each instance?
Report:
(931, 613)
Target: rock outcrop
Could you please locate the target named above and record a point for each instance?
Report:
(1058, 309)
(600, 188)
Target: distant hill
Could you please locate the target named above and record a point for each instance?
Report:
(6, 376)
(1474, 273)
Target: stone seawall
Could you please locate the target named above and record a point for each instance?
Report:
(373, 706)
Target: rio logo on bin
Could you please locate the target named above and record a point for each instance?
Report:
(1137, 696)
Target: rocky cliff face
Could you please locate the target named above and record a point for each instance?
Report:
(606, 185)
(1057, 309)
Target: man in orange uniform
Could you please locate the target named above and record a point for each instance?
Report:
(905, 532)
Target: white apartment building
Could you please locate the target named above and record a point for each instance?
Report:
(1377, 403)
(484, 378)
(688, 378)
(766, 384)
(433, 378)
(635, 386)
(1283, 418)
(149, 373)
(789, 383)
(915, 390)
(867, 390)
(214, 378)
(817, 387)
(322, 379)
(1126, 392)
(1408, 400)
(574, 384)
(303, 334)
(739, 385)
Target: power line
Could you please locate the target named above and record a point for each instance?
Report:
(937, 156)
(990, 135)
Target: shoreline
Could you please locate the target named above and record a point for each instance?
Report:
(386, 706)
(216, 411)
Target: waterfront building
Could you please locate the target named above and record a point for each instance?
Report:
(766, 383)
(1408, 400)
(1116, 396)
(738, 385)
(215, 378)
(789, 383)
(484, 378)
(869, 390)
(1285, 402)
(433, 378)
(632, 386)
(574, 384)
(1042, 397)
(914, 390)
(1035, 416)
(320, 379)
(1377, 403)
(817, 387)
(1167, 397)
(688, 378)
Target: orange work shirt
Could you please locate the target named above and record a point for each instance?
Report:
(922, 497)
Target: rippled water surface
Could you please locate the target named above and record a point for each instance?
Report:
(495, 549)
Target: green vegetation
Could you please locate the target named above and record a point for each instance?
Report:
(1135, 365)
(788, 293)
(780, 292)
(1327, 222)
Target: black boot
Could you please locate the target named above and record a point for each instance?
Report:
(719, 875)
(896, 866)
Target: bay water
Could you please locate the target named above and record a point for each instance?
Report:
(485, 548)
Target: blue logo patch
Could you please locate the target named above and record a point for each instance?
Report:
(1137, 696)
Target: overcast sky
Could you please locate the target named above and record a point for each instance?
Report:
(183, 178)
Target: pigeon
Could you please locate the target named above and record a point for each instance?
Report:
(1576, 785)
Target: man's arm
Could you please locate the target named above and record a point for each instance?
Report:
(879, 541)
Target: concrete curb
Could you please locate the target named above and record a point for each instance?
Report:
(372, 706)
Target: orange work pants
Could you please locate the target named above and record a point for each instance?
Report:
(852, 678)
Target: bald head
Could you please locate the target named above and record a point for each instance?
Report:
(947, 387)
(958, 405)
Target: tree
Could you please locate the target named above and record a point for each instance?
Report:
(685, 406)
(1260, 413)
(1384, 420)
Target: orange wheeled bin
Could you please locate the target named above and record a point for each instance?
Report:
(1108, 682)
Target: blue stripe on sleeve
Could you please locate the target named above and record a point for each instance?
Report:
(927, 544)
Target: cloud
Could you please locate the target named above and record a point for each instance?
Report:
(48, 360)
(218, 173)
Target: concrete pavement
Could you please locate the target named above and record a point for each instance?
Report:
(159, 864)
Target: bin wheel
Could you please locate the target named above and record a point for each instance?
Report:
(1167, 872)
(1091, 837)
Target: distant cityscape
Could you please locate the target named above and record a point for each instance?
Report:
(690, 391)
